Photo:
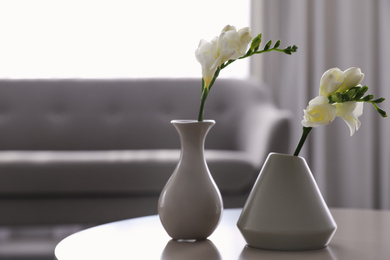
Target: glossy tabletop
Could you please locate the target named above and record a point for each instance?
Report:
(361, 234)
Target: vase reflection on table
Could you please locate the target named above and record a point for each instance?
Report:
(205, 249)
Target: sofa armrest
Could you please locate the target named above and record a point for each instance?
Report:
(264, 129)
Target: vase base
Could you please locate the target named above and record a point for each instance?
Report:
(288, 248)
(189, 240)
(284, 242)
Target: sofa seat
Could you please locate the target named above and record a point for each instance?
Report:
(111, 173)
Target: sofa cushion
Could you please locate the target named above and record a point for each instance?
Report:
(105, 173)
(117, 114)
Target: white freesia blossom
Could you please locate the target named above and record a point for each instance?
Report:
(318, 112)
(353, 77)
(230, 45)
(206, 54)
(338, 99)
(349, 112)
(331, 81)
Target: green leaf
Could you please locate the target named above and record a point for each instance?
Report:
(382, 112)
(364, 89)
(290, 49)
(268, 45)
(368, 98)
(336, 98)
(294, 48)
(248, 53)
(361, 92)
(277, 44)
(256, 43)
(379, 100)
(350, 94)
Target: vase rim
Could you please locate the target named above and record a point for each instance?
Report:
(190, 121)
(274, 154)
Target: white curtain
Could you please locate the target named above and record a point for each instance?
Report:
(350, 171)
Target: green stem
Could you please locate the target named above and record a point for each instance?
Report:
(262, 51)
(205, 93)
(251, 54)
(306, 131)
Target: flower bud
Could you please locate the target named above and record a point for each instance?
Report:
(353, 77)
(331, 81)
(245, 35)
(232, 44)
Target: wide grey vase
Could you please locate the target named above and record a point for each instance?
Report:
(190, 205)
(285, 209)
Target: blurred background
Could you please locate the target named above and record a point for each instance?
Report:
(157, 39)
(133, 39)
(351, 171)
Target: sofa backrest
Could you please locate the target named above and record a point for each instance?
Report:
(99, 114)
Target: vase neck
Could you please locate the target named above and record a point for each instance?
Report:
(192, 137)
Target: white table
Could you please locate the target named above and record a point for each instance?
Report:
(361, 234)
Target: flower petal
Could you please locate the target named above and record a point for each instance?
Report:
(207, 54)
(349, 112)
(318, 112)
(345, 109)
(359, 109)
(353, 124)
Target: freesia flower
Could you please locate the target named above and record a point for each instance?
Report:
(228, 47)
(318, 112)
(353, 77)
(340, 96)
(349, 112)
(331, 81)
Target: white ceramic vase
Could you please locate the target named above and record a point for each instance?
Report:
(190, 205)
(285, 209)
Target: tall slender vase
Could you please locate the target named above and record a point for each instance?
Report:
(285, 209)
(190, 205)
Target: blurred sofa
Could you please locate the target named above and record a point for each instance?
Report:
(93, 151)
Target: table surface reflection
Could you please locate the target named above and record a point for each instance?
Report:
(361, 234)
